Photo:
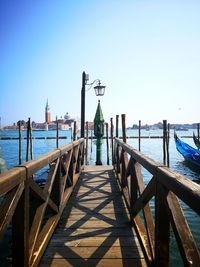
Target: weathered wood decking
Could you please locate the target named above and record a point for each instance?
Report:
(94, 228)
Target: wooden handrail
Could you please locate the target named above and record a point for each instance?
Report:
(25, 204)
(167, 186)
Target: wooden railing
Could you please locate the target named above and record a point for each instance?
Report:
(166, 187)
(33, 211)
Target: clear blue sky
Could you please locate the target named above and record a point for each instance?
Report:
(146, 52)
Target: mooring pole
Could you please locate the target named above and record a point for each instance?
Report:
(74, 131)
(57, 134)
(124, 127)
(139, 137)
(31, 141)
(86, 146)
(111, 137)
(107, 143)
(20, 142)
(164, 140)
(117, 126)
(83, 105)
(28, 137)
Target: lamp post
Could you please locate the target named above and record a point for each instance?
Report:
(99, 91)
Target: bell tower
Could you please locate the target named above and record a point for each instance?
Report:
(47, 113)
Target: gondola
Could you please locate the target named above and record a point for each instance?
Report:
(189, 153)
(196, 141)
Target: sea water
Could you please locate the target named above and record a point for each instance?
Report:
(151, 147)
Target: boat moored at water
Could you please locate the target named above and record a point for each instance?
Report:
(196, 140)
(189, 153)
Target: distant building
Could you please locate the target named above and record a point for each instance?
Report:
(47, 113)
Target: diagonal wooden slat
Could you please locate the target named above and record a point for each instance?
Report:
(185, 240)
(145, 197)
(37, 221)
(42, 195)
(51, 176)
(8, 206)
(43, 240)
(65, 161)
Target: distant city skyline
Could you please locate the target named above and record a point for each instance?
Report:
(145, 52)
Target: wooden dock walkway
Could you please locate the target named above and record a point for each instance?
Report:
(94, 229)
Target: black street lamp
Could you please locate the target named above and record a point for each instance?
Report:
(99, 91)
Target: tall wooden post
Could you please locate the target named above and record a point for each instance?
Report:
(168, 137)
(57, 133)
(111, 137)
(20, 142)
(117, 126)
(83, 105)
(107, 143)
(74, 131)
(31, 141)
(139, 137)
(27, 138)
(124, 127)
(164, 140)
(86, 148)
(91, 142)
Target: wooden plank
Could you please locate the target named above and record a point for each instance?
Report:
(93, 262)
(8, 207)
(96, 241)
(106, 210)
(93, 252)
(88, 232)
(96, 224)
(97, 216)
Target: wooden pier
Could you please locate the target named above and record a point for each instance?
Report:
(95, 228)
(96, 216)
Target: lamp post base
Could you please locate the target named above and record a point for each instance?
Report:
(98, 163)
(98, 152)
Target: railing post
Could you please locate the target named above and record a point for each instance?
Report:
(133, 184)
(20, 230)
(162, 228)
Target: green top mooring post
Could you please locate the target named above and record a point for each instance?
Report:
(99, 122)
(98, 132)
